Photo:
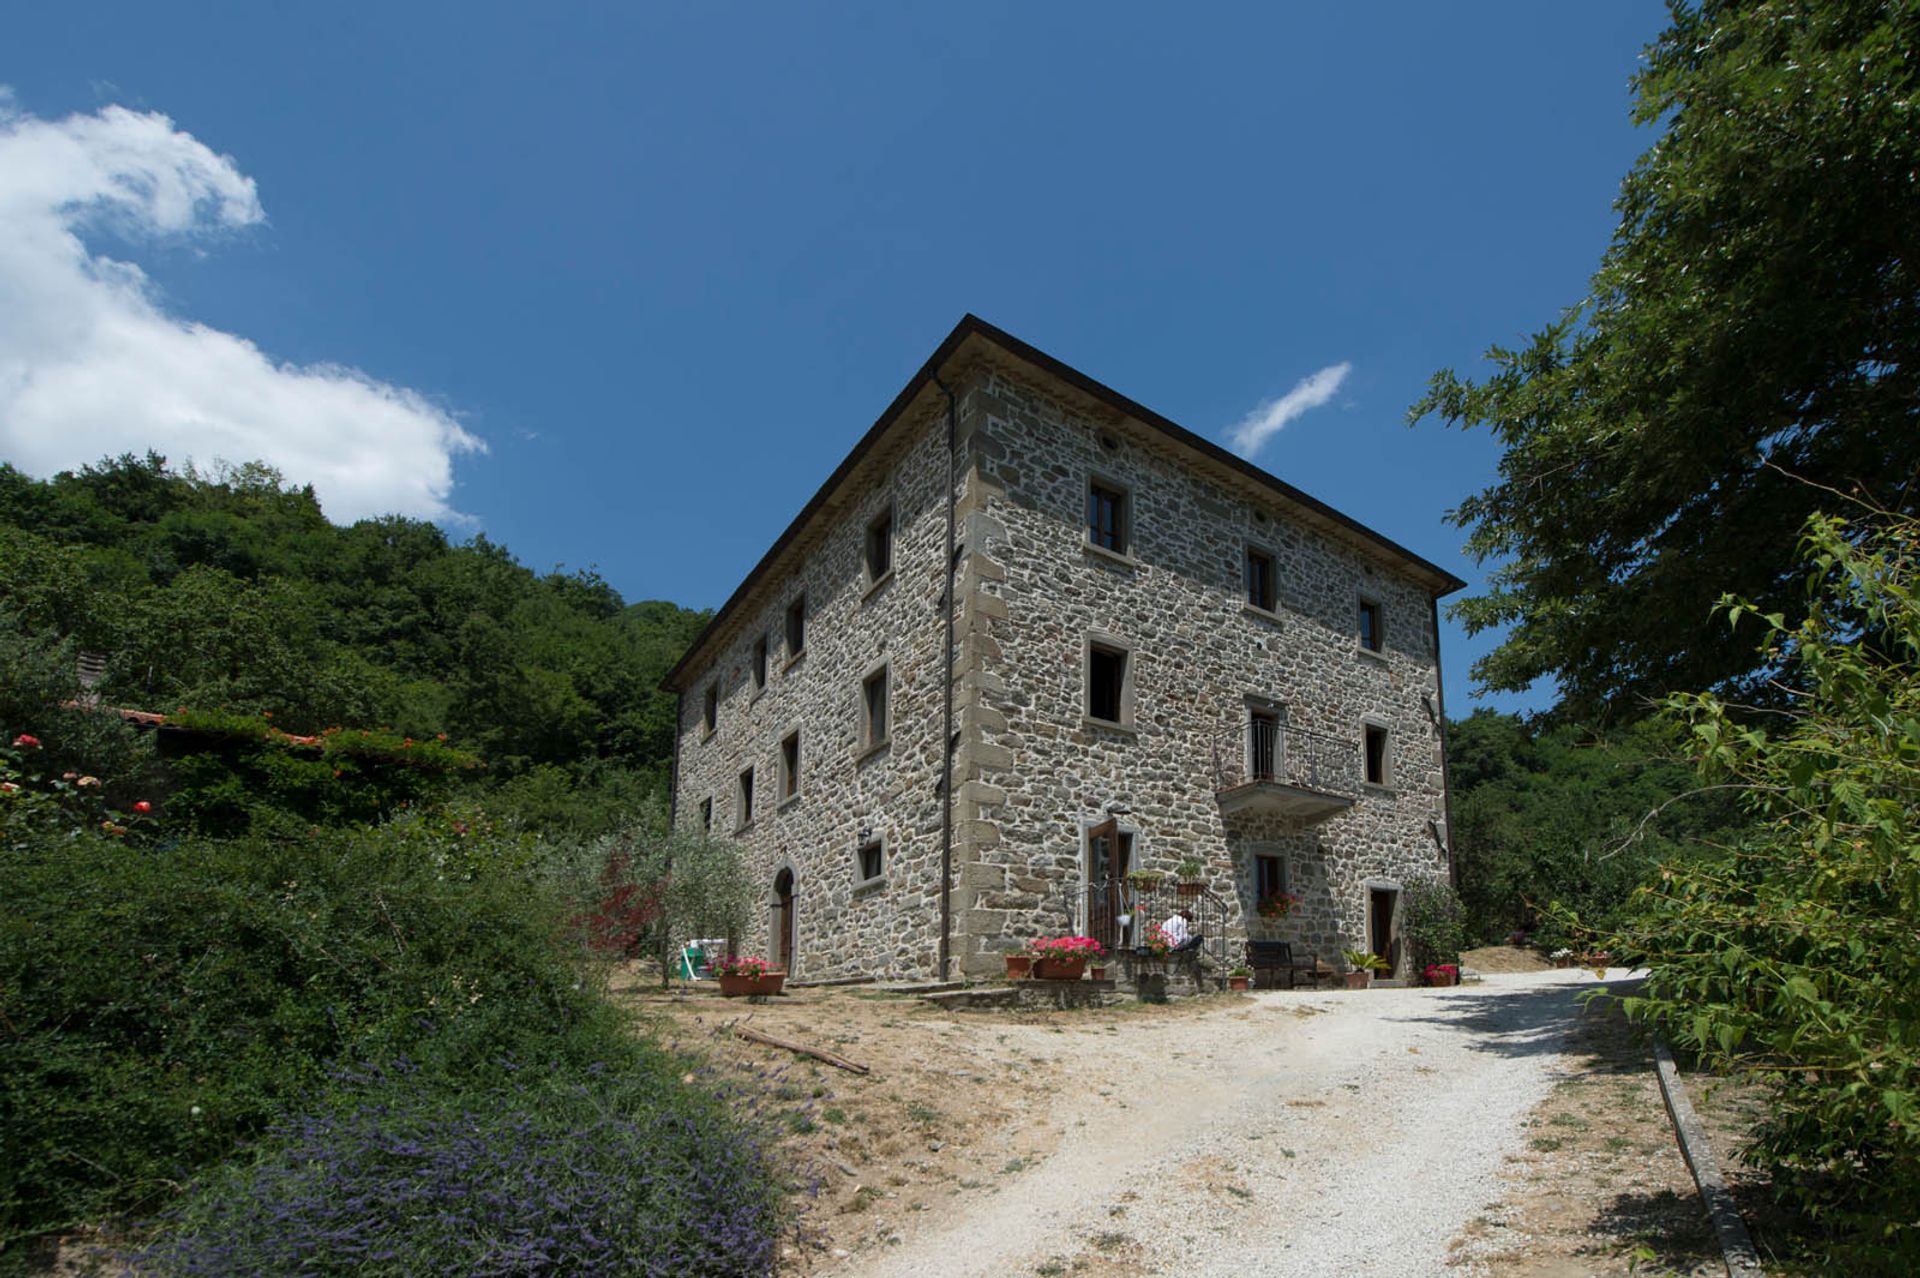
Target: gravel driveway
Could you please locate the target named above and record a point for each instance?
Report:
(1315, 1133)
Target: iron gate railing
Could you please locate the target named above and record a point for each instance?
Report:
(1119, 913)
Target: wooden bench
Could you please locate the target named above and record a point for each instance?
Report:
(1277, 957)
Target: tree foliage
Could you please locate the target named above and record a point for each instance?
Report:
(232, 592)
(1756, 318)
(1796, 954)
(1555, 814)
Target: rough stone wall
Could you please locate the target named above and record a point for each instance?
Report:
(1037, 772)
(1031, 773)
(844, 927)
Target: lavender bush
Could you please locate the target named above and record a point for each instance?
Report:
(622, 1171)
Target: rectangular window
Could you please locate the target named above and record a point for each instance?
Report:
(1260, 584)
(1270, 876)
(1107, 517)
(1370, 634)
(1106, 683)
(796, 627)
(1376, 755)
(706, 816)
(872, 861)
(790, 766)
(760, 662)
(880, 545)
(710, 707)
(1263, 746)
(873, 710)
(745, 804)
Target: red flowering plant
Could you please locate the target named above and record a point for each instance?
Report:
(1157, 942)
(1277, 905)
(739, 965)
(1441, 973)
(1066, 948)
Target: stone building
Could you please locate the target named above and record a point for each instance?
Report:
(1161, 654)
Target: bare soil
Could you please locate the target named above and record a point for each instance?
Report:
(1600, 1187)
(1503, 958)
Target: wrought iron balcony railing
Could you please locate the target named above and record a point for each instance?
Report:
(1266, 762)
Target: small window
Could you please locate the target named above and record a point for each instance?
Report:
(745, 806)
(1269, 876)
(1376, 755)
(872, 861)
(710, 708)
(1260, 583)
(1107, 517)
(1371, 637)
(1106, 683)
(880, 545)
(796, 627)
(790, 765)
(706, 816)
(873, 710)
(760, 662)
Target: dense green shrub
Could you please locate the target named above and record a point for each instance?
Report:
(1794, 954)
(1435, 922)
(161, 1004)
(612, 1171)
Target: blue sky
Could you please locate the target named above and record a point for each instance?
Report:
(619, 285)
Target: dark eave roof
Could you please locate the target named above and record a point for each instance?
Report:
(973, 326)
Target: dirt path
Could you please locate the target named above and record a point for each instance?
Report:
(1301, 1134)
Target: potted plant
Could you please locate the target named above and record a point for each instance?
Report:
(1189, 872)
(1277, 905)
(1019, 960)
(1063, 958)
(1239, 979)
(741, 975)
(1441, 974)
(1097, 969)
(1145, 880)
(1364, 965)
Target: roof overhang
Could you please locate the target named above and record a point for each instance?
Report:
(973, 339)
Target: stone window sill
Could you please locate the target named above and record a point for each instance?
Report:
(1107, 725)
(1120, 557)
(1378, 790)
(794, 660)
(787, 802)
(873, 751)
(708, 734)
(1267, 615)
(743, 827)
(867, 887)
(878, 584)
(1371, 655)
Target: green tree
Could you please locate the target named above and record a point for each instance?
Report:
(1754, 319)
(1795, 955)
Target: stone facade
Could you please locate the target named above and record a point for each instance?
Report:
(1032, 770)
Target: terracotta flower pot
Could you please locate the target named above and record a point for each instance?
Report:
(749, 986)
(1097, 971)
(1440, 980)
(1059, 969)
(1238, 984)
(1359, 980)
(1190, 889)
(1019, 966)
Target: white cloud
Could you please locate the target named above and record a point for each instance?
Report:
(1266, 421)
(93, 365)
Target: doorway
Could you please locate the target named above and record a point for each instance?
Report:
(1109, 859)
(1382, 911)
(783, 921)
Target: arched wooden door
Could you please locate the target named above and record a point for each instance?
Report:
(783, 920)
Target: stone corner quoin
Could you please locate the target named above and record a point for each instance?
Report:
(1257, 733)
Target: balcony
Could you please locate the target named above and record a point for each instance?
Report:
(1270, 767)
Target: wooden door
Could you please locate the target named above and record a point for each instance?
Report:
(783, 921)
(1109, 857)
